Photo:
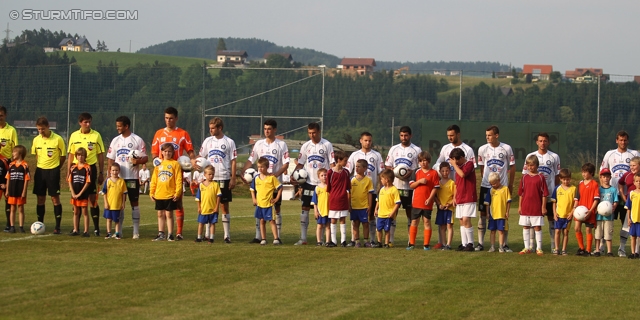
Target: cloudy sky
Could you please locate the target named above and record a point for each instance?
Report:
(566, 34)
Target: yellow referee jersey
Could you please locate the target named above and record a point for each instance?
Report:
(91, 141)
(48, 150)
(8, 140)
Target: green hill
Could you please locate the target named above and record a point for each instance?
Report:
(255, 48)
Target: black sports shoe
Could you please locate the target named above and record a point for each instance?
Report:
(56, 231)
(596, 254)
(96, 232)
(73, 233)
(580, 252)
(85, 235)
(255, 240)
(22, 230)
(331, 244)
(12, 230)
(469, 247)
(171, 238)
(343, 244)
(7, 229)
(179, 237)
(609, 254)
(210, 241)
(227, 240)
(460, 247)
(197, 240)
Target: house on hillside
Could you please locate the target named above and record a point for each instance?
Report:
(287, 56)
(537, 71)
(234, 57)
(361, 66)
(585, 74)
(75, 44)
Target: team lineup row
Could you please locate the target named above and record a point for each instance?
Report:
(129, 152)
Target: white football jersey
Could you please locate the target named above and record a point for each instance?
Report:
(374, 159)
(220, 153)
(276, 152)
(120, 148)
(314, 156)
(400, 154)
(618, 163)
(549, 167)
(499, 159)
(444, 157)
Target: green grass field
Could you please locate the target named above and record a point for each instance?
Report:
(89, 60)
(62, 277)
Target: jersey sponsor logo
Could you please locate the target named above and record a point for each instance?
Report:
(495, 162)
(214, 153)
(371, 168)
(620, 167)
(271, 159)
(545, 170)
(175, 146)
(315, 158)
(403, 160)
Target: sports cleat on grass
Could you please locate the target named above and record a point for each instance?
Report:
(197, 240)
(85, 235)
(263, 242)
(492, 249)
(178, 237)
(136, 236)
(300, 243)
(159, 237)
(227, 240)
(255, 240)
(410, 247)
(539, 252)
(507, 249)
(277, 242)
(479, 247)
(438, 246)
(171, 238)
(525, 251)
(96, 233)
(109, 236)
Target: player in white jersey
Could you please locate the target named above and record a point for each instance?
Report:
(220, 150)
(277, 152)
(617, 161)
(497, 157)
(315, 154)
(453, 135)
(550, 169)
(374, 168)
(119, 151)
(403, 153)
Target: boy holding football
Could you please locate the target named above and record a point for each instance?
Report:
(588, 195)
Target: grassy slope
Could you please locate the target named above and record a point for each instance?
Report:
(89, 60)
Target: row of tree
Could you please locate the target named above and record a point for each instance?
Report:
(351, 103)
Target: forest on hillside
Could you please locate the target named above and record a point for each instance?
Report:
(34, 84)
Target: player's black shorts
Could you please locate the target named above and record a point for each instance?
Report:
(483, 194)
(46, 181)
(94, 180)
(166, 204)
(224, 189)
(406, 196)
(133, 189)
(550, 211)
(417, 213)
(307, 194)
(620, 210)
(279, 202)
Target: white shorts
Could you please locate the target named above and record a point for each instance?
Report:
(333, 214)
(466, 210)
(531, 221)
(604, 229)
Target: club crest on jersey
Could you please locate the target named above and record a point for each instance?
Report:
(548, 162)
(3, 142)
(130, 145)
(90, 146)
(169, 167)
(223, 147)
(410, 155)
(501, 155)
(321, 151)
(50, 153)
(174, 139)
(274, 151)
(163, 139)
(628, 160)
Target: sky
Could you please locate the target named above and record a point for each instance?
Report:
(567, 34)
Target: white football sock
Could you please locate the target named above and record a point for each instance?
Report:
(226, 221)
(372, 230)
(343, 232)
(482, 229)
(304, 224)
(278, 223)
(470, 235)
(392, 231)
(526, 238)
(538, 235)
(258, 236)
(463, 235)
(333, 233)
(135, 216)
